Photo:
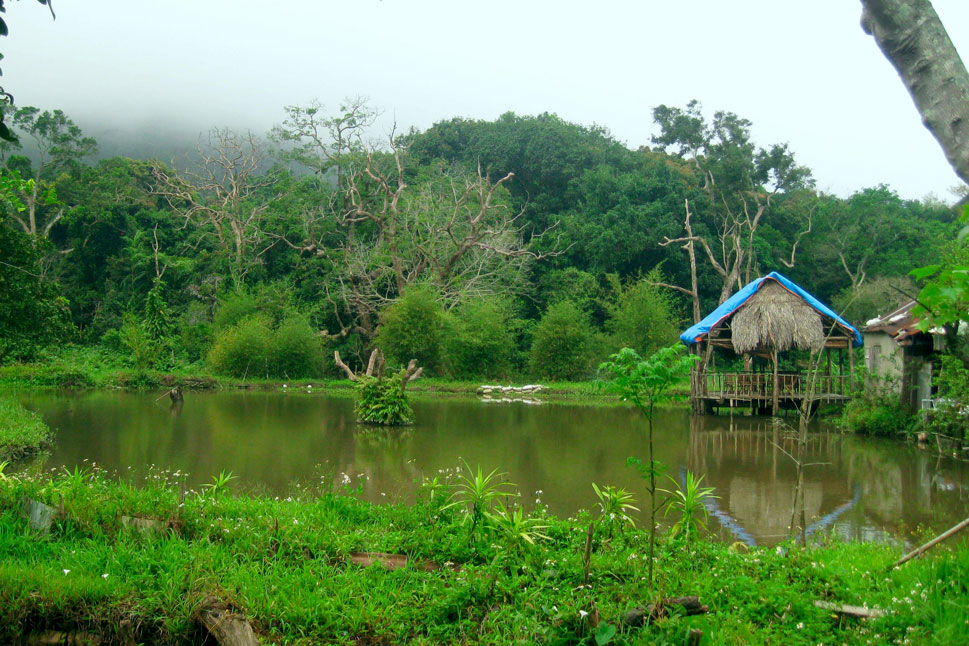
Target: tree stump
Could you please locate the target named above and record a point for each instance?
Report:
(39, 516)
(227, 627)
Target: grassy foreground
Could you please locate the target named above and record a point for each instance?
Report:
(287, 565)
(22, 432)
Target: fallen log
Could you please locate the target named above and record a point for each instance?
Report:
(639, 616)
(390, 561)
(227, 627)
(851, 611)
(144, 525)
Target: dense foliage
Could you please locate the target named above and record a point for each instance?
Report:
(523, 247)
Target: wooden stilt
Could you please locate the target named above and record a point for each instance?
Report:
(775, 405)
(851, 364)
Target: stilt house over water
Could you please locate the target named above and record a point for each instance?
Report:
(765, 338)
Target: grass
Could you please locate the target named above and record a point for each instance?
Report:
(285, 564)
(91, 367)
(22, 432)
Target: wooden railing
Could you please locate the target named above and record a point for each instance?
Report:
(745, 385)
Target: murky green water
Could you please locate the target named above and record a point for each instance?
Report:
(859, 488)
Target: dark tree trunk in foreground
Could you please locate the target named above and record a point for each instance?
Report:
(913, 39)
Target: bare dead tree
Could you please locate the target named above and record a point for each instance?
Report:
(223, 197)
(689, 245)
(376, 366)
(797, 240)
(454, 230)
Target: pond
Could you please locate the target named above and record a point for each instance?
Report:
(858, 488)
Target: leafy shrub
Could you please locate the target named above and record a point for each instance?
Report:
(572, 284)
(412, 328)
(383, 401)
(135, 340)
(876, 413)
(950, 418)
(295, 350)
(563, 344)
(272, 302)
(242, 350)
(139, 380)
(641, 316)
(252, 348)
(479, 341)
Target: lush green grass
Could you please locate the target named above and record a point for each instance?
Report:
(285, 563)
(79, 367)
(22, 432)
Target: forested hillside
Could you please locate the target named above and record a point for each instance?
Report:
(524, 246)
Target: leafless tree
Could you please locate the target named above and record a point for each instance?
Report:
(223, 197)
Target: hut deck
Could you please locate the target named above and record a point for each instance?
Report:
(758, 388)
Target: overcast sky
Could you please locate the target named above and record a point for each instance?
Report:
(802, 71)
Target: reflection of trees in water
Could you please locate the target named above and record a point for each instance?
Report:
(862, 488)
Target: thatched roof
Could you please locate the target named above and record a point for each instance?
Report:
(788, 316)
(775, 319)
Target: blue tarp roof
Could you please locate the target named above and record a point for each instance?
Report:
(734, 303)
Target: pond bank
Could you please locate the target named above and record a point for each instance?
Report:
(59, 375)
(293, 568)
(22, 433)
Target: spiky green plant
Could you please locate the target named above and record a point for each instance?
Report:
(687, 501)
(615, 505)
(477, 493)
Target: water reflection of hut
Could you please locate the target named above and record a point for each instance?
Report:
(754, 332)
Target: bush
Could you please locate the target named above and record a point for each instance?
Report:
(563, 344)
(642, 316)
(876, 408)
(479, 342)
(272, 302)
(135, 340)
(882, 415)
(950, 418)
(295, 350)
(412, 328)
(252, 348)
(242, 350)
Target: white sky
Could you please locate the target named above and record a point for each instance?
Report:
(802, 71)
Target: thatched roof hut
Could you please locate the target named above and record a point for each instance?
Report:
(768, 316)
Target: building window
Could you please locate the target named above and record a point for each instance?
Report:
(874, 358)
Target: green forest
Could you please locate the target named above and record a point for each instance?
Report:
(526, 247)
